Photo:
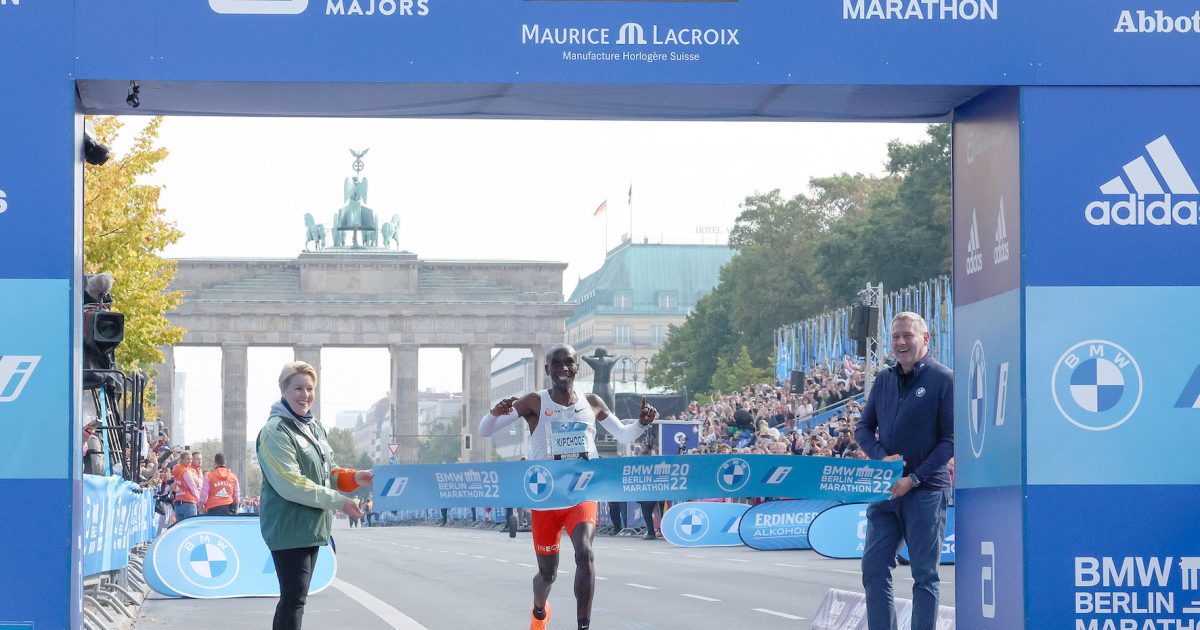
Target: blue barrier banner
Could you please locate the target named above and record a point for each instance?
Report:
(215, 557)
(947, 541)
(776, 525)
(703, 524)
(556, 484)
(839, 532)
(117, 517)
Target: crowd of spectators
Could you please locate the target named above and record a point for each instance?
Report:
(779, 420)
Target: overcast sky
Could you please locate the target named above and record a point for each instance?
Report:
(239, 187)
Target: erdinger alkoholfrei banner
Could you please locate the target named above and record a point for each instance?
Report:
(777, 525)
(703, 524)
(563, 483)
(215, 557)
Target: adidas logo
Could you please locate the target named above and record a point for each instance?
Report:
(1000, 253)
(974, 256)
(1148, 202)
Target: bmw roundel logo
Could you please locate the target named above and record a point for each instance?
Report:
(977, 398)
(692, 524)
(1097, 385)
(208, 561)
(733, 474)
(539, 483)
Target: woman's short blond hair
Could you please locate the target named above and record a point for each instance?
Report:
(293, 368)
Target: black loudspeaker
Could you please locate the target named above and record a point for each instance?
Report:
(103, 331)
(864, 322)
(797, 380)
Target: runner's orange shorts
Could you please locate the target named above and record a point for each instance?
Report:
(548, 525)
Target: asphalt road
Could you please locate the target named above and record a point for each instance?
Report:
(453, 578)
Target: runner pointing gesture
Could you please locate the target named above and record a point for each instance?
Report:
(562, 425)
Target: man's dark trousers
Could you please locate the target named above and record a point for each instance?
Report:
(919, 519)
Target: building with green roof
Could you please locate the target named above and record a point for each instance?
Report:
(627, 304)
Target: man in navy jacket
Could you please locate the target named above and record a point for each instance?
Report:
(909, 416)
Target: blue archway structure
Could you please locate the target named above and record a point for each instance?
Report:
(1077, 151)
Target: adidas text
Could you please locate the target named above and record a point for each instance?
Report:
(1137, 211)
(1157, 22)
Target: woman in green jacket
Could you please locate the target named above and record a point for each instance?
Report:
(300, 487)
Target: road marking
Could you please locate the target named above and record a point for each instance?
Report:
(527, 565)
(692, 555)
(444, 551)
(624, 549)
(500, 560)
(459, 553)
(790, 566)
(848, 571)
(700, 597)
(648, 588)
(601, 578)
(737, 560)
(659, 553)
(778, 614)
(392, 617)
(480, 557)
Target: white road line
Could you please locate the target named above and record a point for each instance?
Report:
(737, 560)
(700, 597)
(500, 560)
(601, 578)
(624, 549)
(527, 565)
(392, 617)
(692, 555)
(444, 551)
(778, 614)
(848, 571)
(659, 553)
(480, 557)
(648, 588)
(458, 553)
(790, 566)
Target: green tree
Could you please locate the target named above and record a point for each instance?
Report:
(732, 375)
(124, 232)
(344, 451)
(441, 446)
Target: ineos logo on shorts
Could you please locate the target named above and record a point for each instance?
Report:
(539, 483)
(259, 7)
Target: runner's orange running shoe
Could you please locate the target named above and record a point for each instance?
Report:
(540, 624)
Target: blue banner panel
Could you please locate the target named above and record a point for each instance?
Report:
(676, 438)
(838, 42)
(1118, 556)
(36, 563)
(35, 379)
(703, 524)
(1109, 189)
(987, 197)
(988, 427)
(1114, 381)
(839, 532)
(555, 484)
(776, 525)
(989, 579)
(117, 516)
(948, 544)
(215, 557)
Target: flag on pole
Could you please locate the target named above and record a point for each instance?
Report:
(601, 209)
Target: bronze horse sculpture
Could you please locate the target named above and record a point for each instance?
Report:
(391, 232)
(315, 233)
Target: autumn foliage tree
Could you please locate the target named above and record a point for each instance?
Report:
(124, 233)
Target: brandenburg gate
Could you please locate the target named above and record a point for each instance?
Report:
(341, 297)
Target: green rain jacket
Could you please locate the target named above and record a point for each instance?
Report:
(299, 481)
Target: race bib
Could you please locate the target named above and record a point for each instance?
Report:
(568, 440)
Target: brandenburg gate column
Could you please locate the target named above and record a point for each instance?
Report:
(404, 398)
(539, 367)
(233, 405)
(477, 393)
(164, 385)
(312, 355)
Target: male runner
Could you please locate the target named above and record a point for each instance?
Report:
(565, 413)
